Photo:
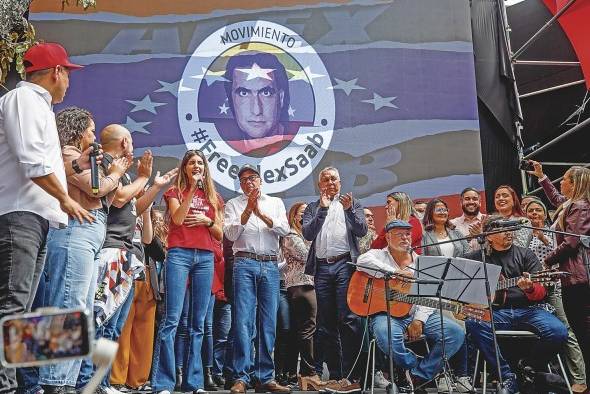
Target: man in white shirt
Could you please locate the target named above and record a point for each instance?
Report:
(470, 222)
(33, 190)
(254, 222)
(421, 320)
(334, 223)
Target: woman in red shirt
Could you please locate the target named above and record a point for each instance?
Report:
(196, 222)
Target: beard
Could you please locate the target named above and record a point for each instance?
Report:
(469, 213)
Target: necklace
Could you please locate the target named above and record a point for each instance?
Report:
(441, 234)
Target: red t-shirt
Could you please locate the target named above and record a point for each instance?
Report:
(380, 242)
(192, 237)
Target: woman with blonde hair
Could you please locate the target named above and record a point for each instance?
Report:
(399, 206)
(196, 221)
(572, 216)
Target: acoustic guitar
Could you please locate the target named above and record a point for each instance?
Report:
(545, 277)
(366, 296)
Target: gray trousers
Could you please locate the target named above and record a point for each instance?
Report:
(574, 359)
(22, 255)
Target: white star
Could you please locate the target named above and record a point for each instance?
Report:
(380, 102)
(146, 104)
(256, 72)
(172, 87)
(346, 86)
(223, 109)
(210, 76)
(304, 75)
(291, 111)
(136, 127)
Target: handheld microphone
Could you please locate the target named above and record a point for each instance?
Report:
(200, 184)
(508, 223)
(94, 181)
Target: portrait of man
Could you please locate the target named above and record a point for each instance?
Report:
(257, 89)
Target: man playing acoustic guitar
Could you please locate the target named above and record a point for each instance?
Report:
(421, 320)
(516, 307)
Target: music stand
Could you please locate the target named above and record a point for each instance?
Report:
(458, 280)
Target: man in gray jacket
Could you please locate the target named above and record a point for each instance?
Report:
(333, 224)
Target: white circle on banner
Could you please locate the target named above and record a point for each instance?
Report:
(304, 107)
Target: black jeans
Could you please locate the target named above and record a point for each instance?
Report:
(576, 303)
(22, 255)
(303, 312)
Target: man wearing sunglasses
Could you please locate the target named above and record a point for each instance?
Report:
(254, 222)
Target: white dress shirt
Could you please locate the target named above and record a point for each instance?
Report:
(255, 236)
(29, 148)
(382, 259)
(332, 240)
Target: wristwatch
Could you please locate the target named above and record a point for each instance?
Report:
(76, 167)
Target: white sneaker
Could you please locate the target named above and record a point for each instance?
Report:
(442, 385)
(164, 392)
(112, 390)
(380, 381)
(463, 384)
(201, 391)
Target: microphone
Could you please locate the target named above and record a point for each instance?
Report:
(200, 184)
(508, 223)
(94, 181)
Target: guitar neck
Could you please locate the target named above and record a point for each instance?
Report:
(506, 283)
(422, 301)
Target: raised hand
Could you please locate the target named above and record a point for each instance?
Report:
(538, 169)
(346, 201)
(166, 179)
(390, 213)
(84, 159)
(324, 199)
(120, 165)
(252, 205)
(144, 165)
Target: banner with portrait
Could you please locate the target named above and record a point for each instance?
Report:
(384, 91)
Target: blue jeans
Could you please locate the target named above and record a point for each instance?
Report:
(207, 350)
(550, 329)
(182, 264)
(404, 358)
(22, 255)
(71, 267)
(335, 318)
(221, 327)
(181, 338)
(255, 301)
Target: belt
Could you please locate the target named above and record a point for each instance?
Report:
(257, 257)
(334, 259)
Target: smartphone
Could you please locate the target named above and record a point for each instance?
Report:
(526, 165)
(46, 337)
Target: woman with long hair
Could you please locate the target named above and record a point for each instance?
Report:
(196, 221)
(71, 264)
(572, 216)
(301, 293)
(508, 206)
(438, 228)
(399, 206)
(543, 244)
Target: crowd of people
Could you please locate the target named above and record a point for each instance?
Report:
(204, 295)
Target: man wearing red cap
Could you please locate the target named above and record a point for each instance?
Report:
(33, 190)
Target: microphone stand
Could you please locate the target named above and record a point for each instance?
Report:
(481, 238)
(387, 276)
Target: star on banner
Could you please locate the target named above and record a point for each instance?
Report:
(223, 109)
(146, 104)
(346, 86)
(380, 102)
(256, 72)
(136, 127)
(291, 112)
(304, 75)
(172, 87)
(210, 76)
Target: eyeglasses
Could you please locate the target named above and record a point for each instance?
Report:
(250, 178)
(402, 235)
(441, 210)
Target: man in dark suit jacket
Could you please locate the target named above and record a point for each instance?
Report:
(333, 224)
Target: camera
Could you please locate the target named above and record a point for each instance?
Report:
(45, 337)
(526, 165)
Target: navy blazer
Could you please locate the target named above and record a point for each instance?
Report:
(313, 219)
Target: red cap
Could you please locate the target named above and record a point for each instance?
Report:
(47, 55)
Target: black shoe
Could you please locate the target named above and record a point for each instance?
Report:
(219, 381)
(178, 379)
(59, 389)
(208, 378)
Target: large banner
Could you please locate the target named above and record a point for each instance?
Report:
(382, 90)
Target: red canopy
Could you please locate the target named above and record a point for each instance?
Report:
(575, 22)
